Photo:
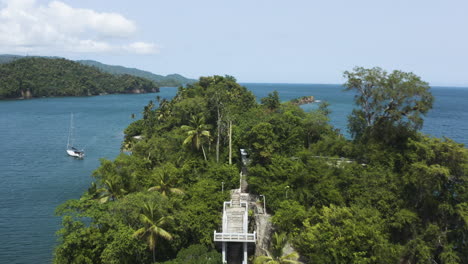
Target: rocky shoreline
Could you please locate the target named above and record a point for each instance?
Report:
(303, 100)
(28, 95)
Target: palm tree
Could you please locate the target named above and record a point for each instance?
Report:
(111, 191)
(153, 226)
(147, 109)
(165, 182)
(278, 243)
(163, 110)
(197, 132)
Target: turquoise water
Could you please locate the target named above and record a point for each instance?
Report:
(36, 174)
(448, 117)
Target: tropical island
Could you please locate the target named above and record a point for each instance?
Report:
(171, 80)
(389, 194)
(45, 77)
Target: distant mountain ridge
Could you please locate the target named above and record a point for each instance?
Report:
(171, 80)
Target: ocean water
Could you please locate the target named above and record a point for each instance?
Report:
(36, 175)
(447, 118)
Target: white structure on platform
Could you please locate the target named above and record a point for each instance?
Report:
(235, 225)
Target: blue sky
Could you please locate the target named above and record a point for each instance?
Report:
(254, 41)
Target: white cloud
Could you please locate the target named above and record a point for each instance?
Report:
(142, 48)
(26, 26)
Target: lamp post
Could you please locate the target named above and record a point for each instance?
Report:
(287, 189)
(240, 182)
(264, 204)
(222, 187)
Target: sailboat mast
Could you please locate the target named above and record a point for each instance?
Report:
(70, 130)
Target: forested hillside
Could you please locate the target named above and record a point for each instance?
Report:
(171, 80)
(42, 77)
(388, 195)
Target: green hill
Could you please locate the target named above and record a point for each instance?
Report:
(171, 80)
(39, 76)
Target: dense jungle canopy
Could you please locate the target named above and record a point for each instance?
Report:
(388, 195)
(43, 77)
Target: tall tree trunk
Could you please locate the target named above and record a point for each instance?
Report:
(230, 142)
(154, 255)
(203, 149)
(219, 136)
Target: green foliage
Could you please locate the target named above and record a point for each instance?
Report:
(154, 226)
(79, 244)
(165, 179)
(289, 216)
(197, 132)
(264, 142)
(278, 243)
(123, 248)
(196, 254)
(272, 101)
(386, 101)
(346, 235)
(37, 77)
(401, 198)
(171, 80)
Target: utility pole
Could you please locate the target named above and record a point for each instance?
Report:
(240, 181)
(264, 204)
(230, 142)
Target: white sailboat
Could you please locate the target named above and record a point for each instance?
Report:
(71, 150)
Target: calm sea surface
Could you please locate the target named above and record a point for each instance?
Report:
(36, 175)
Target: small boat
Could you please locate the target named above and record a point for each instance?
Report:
(71, 150)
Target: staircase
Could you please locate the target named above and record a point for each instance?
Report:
(235, 199)
(235, 234)
(235, 220)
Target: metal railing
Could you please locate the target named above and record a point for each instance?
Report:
(235, 237)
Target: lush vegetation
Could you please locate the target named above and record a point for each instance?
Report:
(38, 77)
(389, 195)
(171, 80)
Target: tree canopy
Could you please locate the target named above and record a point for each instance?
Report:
(336, 200)
(398, 99)
(38, 77)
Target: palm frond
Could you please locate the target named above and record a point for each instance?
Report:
(188, 140)
(161, 232)
(184, 127)
(291, 256)
(139, 232)
(262, 260)
(104, 199)
(154, 188)
(176, 190)
(146, 220)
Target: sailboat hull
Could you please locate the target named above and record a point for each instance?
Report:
(74, 153)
